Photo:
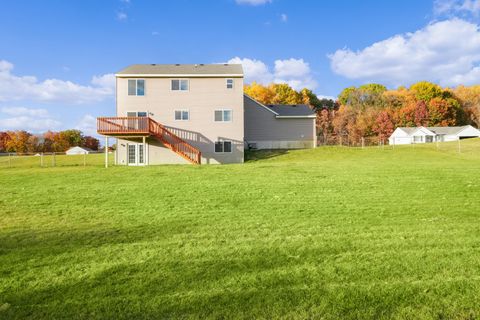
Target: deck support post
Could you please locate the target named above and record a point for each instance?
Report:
(106, 151)
(145, 160)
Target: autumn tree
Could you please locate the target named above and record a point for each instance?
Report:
(19, 141)
(4, 137)
(426, 91)
(384, 125)
(284, 94)
(421, 114)
(262, 94)
(90, 142)
(324, 123)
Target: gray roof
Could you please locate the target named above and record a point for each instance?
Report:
(446, 130)
(183, 69)
(288, 110)
(408, 130)
(436, 130)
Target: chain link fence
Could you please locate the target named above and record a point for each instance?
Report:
(347, 141)
(53, 159)
(459, 146)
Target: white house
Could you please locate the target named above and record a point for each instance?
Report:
(409, 135)
(78, 150)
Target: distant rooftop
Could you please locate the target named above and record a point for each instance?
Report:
(436, 130)
(183, 69)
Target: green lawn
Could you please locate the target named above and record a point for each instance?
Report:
(331, 233)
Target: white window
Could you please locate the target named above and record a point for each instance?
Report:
(182, 115)
(179, 85)
(417, 138)
(229, 83)
(136, 87)
(223, 146)
(223, 115)
(136, 114)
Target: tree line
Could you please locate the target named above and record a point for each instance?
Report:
(25, 142)
(372, 111)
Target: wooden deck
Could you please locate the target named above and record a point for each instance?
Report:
(145, 126)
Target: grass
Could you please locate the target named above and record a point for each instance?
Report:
(331, 233)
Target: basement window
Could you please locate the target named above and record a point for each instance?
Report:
(223, 147)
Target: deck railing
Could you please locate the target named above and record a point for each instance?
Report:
(174, 142)
(122, 125)
(118, 126)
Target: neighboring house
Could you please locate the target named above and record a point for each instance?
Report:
(409, 135)
(78, 150)
(194, 114)
(279, 126)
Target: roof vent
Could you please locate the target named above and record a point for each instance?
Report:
(153, 64)
(202, 64)
(177, 64)
(225, 64)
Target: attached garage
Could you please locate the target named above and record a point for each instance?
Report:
(278, 126)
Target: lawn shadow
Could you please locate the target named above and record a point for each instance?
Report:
(255, 155)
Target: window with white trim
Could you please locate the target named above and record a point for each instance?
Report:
(136, 114)
(229, 83)
(179, 85)
(136, 87)
(223, 115)
(223, 146)
(182, 115)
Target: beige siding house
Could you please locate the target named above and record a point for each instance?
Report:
(168, 114)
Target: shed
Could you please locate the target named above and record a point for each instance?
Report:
(78, 150)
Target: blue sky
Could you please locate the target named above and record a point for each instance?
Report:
(57, 58)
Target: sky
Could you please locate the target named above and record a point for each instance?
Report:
(58, 58)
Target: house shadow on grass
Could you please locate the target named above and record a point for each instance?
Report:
(255, 155)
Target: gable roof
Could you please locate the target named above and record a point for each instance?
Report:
(446, 130)
(81, 148)
(408, 130)
(191, 70)
(435, 130)
(292, 110)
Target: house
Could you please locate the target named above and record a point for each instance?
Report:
(279, 126)
(409, 135)
(185, 113)
(77, 150)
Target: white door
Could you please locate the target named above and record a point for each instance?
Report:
(135, 155)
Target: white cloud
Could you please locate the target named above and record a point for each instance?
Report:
(447, 52)
(449, 7)
(88, 125)
(255, 70)
(34, 120)
(253, 2)
(121, 16)
(295, 72)
(14, 88)
(15, 111)
(284, 17)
